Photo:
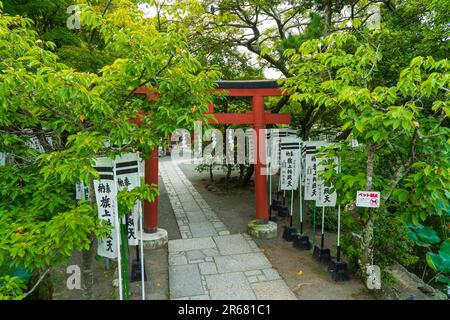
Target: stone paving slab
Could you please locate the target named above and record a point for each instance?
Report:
(271, 274)
(273, 290)
(207, 268)
(232, 244)
(177, 259)
(241, 262)
(202, 229)
(196, 216)
(185, 281)
(191, 205)
(191, 244)
(211, 252)
(195, 255)
(229, 286)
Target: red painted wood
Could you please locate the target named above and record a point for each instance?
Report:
(232, 118)
(262, 209)
(277, 118)
(247, 118)
(151, 208)
(250, 92)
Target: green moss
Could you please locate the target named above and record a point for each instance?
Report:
(262, 231)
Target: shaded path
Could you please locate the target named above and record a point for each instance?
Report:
(208, 262)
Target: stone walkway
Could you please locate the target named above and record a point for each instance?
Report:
(208, 262)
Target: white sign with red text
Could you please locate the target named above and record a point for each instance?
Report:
(368, 199)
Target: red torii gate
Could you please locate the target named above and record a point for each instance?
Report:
(258, 117)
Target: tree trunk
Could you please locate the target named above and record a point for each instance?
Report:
(87, 257)
(241, 172)
(87, 273)
(211, 175)
(366, 257)
(228, 176)
(248, 175)
(328, 16)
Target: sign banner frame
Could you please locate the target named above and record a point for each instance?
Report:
(290, 162)
(128, 177)
(106, 198)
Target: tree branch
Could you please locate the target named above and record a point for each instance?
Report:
(37, 283)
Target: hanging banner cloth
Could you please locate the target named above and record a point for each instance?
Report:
(324, 197)
(309, 155)
(127, 177)
(106, 197)
(273, 140)
(81, 191)
(290, 162)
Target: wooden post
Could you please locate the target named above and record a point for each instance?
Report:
(151, 208)
(262, 209)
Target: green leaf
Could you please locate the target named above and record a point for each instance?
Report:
(359, 125)
(439, 262)
(356, 23)
(424, 235)
(431, 261)
(401, 194)
(443, 279)
(445, 247)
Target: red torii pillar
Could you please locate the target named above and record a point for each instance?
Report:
(258, 118)
(151, 208)
(151, 174)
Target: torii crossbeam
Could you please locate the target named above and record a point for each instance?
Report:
(258, 117)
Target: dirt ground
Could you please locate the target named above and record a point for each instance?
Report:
(307, 278)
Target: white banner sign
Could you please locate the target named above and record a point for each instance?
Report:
(251, 148)
(34, 143)
(290, 163)
(324, 197)
(106, 197)
(368, 199)
(2, 158)
(311, 162)
(127, 177)
(82, 191)
(273, 139)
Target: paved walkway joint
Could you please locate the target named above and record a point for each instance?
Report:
(209, 262)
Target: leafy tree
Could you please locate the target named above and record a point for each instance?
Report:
(402, 130)
(72, 114)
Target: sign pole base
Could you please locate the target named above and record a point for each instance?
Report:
(281, 208)
(136, 272)
(289, 233)
(322, 255)
(338, 270)
(301, 242)
(273, 210)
